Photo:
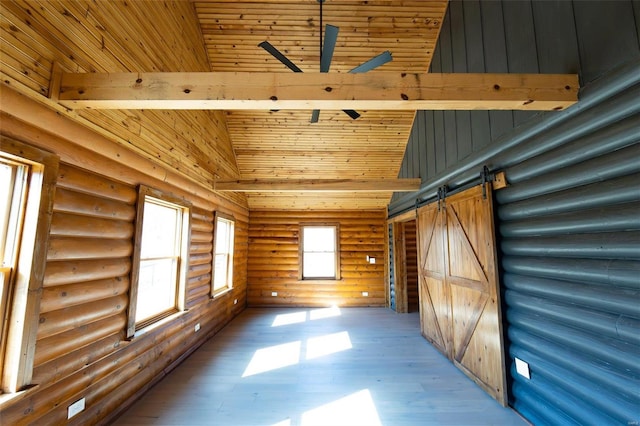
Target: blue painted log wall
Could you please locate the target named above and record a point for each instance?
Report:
(568, 224)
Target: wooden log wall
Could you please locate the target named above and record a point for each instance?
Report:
(81, 349)
(135, 36)
(411, 257)
(273, 259)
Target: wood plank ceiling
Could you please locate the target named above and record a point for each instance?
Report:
(284, 144)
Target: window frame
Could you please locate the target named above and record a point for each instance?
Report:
(301, 251)
(26, 274)
(215, 292)
(185, 208)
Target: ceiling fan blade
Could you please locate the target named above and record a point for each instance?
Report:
(330, 39)
(351, 113)
(374, 62)
(279, 56)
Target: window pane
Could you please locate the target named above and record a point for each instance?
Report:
(222, 239)
(6, 189)
(159, 228)
(319, 238)
(223, 259)
(319, 265)
(156, 287)
(220, 271)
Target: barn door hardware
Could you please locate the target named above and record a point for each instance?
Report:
(442, 194)
(486, 177)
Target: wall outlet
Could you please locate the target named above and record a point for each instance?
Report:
(197, 327)
(365, 294)
(372, 260)
(235, 301)
(522, 368)
(75, 408)
(274, 293)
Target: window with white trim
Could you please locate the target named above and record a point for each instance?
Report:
(27, 181)
(223, 257)
(319, 253)
(160, 259)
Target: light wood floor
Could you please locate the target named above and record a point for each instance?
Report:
(349, 366)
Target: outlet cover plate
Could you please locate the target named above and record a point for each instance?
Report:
(75, 408)
(522, 368)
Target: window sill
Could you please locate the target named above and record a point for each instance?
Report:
(321, 281)
(10, 398)
(222, 292)
(159, 323)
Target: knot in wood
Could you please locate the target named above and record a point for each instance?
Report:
(274, 98)
(496, 87)
(187, 91)
(328, 89)
(404, 97)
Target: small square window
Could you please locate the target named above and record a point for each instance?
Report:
(319, 252)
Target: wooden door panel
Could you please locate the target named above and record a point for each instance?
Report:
(434, 298)
(433, 323)
(481, 357)
(467, 307)
(460, 303)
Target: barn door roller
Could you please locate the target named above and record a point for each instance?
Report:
(486, 177)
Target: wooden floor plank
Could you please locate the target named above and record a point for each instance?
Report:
(349, 366)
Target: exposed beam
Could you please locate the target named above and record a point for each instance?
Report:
(319, 185)
(329, 91)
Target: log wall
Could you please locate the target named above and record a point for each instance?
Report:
(411, 257)
(81, 350)
(273, 261)
(105, 36)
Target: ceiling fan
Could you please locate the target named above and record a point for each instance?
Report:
(326, 54)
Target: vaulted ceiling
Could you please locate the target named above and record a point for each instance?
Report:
(88, 36)
(284, 144)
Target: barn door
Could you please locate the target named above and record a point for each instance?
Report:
(459, 293)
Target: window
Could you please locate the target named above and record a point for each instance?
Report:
(27, 180)
(160, 259)
(319, 252)
(223, 258)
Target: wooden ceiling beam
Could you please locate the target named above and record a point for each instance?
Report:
(318, 185)
(307, 91)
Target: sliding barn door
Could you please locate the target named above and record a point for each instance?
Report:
(459, 292)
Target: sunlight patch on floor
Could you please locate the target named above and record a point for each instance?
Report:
(272, 358)
(357, 409)
(316, 314)
(329, 344)
(286, 319)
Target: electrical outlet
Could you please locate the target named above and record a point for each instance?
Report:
(365, 294)
(197, 327)
(522, 368)
(75, 408)
(274, 293)
(235, 301)
(372, 260)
